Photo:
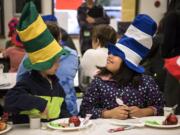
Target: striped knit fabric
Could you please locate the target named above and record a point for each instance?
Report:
(135, 45)
(39, 43)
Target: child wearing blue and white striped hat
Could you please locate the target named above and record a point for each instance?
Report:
(122, 78)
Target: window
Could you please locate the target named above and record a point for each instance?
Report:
(66, 12)
(19, 4)
(112, 8)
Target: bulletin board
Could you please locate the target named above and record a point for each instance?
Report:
(64, 4)
(129, 10)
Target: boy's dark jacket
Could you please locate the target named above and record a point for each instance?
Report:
(21, 97)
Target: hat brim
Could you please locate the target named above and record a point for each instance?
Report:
(44, 65)
(112, 49)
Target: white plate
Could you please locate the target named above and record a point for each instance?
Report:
(159, 119)
(128, 122)
(65, 120)
(7, 129)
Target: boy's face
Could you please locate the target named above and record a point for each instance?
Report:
(54, 68)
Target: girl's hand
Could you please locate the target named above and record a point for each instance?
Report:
(120, 112)
(135, 111)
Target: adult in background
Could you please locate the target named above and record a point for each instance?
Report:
(170, 51)
(89, 15)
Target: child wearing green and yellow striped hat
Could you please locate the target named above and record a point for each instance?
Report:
(38, 93)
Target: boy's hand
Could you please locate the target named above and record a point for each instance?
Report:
(45, 113)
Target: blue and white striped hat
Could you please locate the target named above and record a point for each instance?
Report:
(135, 45)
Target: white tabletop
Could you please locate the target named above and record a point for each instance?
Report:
(7, 80)
(99, 127)
(10, 80)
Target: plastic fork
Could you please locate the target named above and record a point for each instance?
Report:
(120, 102)
(112, 130)
(86, 119)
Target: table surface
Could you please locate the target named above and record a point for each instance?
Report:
(9, 79)
(99, 127)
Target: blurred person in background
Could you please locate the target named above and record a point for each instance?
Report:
(170, 51)
(12, 29)
(15, 52)
(102, 35)
(88, 15)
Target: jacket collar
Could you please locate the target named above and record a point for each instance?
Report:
(39, 77)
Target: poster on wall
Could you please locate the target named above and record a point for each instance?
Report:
(64, 4)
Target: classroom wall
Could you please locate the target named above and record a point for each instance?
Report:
(145, 6)
(148, 7)
(9, 8)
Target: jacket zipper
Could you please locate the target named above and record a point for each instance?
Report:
(51, 88)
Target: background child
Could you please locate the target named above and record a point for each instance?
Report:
(15, 53)
(96, 57)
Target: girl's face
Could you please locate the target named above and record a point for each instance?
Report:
(53, 69)
(113, 63)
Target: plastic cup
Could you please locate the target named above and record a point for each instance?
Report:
(168, 110)
(35, 122)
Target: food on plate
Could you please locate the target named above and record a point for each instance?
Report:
(171, 119)
(3, 125)
(152, 122)
(64, 125)
(74, 121)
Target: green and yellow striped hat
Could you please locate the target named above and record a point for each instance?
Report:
(39, 43)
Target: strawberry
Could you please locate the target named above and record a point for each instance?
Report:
(3, 125)
(75, 120)
(171, 120)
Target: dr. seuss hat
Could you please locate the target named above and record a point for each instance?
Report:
(39, 43)
(136, 43)
(49, 18)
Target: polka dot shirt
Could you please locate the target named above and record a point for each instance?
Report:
(102, 94)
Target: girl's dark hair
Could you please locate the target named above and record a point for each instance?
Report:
(105, 34)
(171, 34)
(173, 5)
(124, 76)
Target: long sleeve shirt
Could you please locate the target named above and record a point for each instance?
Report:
(27, 95)
(102, 94)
